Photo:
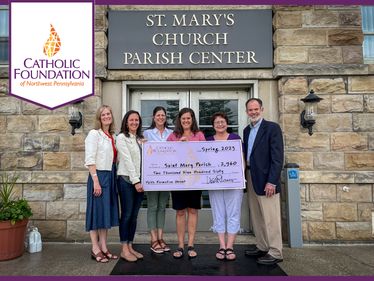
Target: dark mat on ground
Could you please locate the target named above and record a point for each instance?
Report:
(204, 264)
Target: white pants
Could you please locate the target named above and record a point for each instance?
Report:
(226, 208)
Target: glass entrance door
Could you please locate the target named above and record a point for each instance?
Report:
(204, 102)
(144, 101)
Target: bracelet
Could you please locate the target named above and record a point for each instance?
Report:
(94, 175)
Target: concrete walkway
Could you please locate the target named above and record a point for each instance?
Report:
(61, 259)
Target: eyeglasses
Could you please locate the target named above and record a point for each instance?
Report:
(219, 123)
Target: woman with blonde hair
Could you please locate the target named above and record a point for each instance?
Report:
(102, 198)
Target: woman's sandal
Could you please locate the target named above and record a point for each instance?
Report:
(99, 257)
(138, 255)
(221, 254)
(179, 253)
(110, 256)
(156, 247)
(163, 245)
(230, 255)
(191, 252)
(129, 258)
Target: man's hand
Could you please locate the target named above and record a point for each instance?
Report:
(269, 190)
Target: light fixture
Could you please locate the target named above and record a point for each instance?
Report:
(309, 114)
(75, 116)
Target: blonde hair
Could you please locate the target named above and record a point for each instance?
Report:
(98, 124)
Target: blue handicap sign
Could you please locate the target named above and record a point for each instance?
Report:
(293, 175)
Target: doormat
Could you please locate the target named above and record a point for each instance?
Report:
(205, 264)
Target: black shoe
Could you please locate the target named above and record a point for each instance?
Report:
(268, 260)
(255, 252)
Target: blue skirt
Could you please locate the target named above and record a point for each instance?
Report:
(102, 211)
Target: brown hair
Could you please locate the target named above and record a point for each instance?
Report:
(155, 110)
(253, 99)
(178, 129)
(219, 114)
(125, 128)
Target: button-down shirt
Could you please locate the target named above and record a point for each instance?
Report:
(154, 134)
(252, 137)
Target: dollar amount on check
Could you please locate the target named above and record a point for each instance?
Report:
(201, 165)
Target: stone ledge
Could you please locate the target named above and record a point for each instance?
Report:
(320, 69)
(190, 74)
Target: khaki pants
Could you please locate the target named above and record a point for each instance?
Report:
(266, 220)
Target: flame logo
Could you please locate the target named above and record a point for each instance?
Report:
(53, 44)
(150, 150)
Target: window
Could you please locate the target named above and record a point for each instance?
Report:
(368, 30)
(207, 107)
(147, 106)
(4, 34)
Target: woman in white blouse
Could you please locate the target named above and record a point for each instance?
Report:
(130, 188)
(102, 198)
(157, 200)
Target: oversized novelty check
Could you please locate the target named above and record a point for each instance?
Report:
(200, 165)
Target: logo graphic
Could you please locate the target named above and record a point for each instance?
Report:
(149, 150)
(56, 66)
(293, 175)
(53, 44)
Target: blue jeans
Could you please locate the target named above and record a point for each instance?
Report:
(130, 204)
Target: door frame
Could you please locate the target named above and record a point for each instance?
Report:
(128, 86)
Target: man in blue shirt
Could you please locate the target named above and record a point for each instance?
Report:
(263, 150)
